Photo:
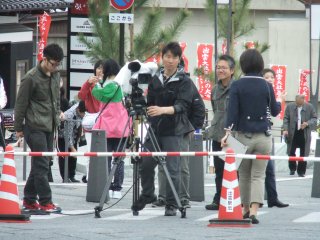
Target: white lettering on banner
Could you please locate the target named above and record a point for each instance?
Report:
(205, 53)
(230, 195)
(279, 85)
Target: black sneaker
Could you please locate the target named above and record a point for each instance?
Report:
(159, 203)
(84, 179)
(185, 203)
(170, 211)
(142, 202)
(212, 206)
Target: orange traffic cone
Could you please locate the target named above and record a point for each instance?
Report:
(9, 197)
(230, 213)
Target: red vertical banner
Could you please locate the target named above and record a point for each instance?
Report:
(224, 46)
(205, 56)
(250, 45)
(44, 27)
(183, 46)
(279, 85)
(304, 83)
(156, 58)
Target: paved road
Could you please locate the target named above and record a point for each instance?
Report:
(299, 221)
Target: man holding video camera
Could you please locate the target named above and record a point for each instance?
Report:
(168, 101)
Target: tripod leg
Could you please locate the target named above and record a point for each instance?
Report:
(136, 183)
(103, 198)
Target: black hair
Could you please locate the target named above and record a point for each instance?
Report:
(266, 70)
(251, 61)
(174, 48)
(228, 59)
(53, 51)
(82, 107)
(110, 68)
(96, 65)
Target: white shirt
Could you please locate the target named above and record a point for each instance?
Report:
(299, 117)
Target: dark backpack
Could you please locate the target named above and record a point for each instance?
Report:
(197, 110)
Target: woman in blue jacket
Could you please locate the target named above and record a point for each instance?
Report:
(249, 98)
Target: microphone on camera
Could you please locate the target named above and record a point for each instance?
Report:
(134, 66)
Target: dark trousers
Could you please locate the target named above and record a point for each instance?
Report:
(37, 184)
(148, 165)
(218, 167)
(270, 183)
(72, 161)
(112, 146)
(298, 142)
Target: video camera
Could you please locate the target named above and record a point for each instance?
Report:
(134, 78)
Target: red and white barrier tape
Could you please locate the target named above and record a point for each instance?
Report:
(158, 154)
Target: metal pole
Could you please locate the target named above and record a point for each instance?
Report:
(215, 37)
(37, 39)
(24, 173)
(315, 192)
(121, 46)
(229, 27)
(66, 158)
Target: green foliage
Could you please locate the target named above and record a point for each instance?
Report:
(151, 39)
(107, 34)
(145, 44)
(242, 23)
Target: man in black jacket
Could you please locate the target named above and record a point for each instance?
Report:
(196, 116)
(169, 99)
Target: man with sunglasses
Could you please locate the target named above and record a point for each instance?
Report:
(37, 113)
(219, 100)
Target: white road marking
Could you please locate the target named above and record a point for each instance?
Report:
(145, 214)
(215, 216)
(309, 218)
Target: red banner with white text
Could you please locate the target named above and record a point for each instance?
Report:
(205, 61)
(304, 83)
(44, 27)
(279, 85)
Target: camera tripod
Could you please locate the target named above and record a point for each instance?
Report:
(138, 116)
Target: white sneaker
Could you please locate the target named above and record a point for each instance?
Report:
(110, 194)
(116, 194)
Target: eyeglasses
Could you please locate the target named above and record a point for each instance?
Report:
(55, 64)
(222, 68)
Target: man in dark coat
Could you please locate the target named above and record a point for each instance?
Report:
(299, 120)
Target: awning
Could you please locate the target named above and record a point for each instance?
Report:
(13, 6)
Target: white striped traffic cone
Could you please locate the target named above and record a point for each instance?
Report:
(230, 213)
(9, 195)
